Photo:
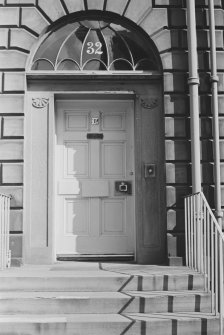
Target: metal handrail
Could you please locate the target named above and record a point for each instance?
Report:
(204, 241)
(5, 252)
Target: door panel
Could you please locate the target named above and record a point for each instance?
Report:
(94, 149)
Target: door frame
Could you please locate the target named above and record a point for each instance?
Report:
(43, 91)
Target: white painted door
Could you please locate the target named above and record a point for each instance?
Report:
(94, 149)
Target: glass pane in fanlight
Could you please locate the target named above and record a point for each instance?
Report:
(43, 65)
(139, 49)
(121, 65)
(51, 45)
(95, 65)
(117, 48)
(94, 24)
(146, 65)
(94, 47)
(73, 45)
(68, 65)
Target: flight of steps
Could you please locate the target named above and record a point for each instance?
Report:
(94, 299)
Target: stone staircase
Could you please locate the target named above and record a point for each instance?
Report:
(95, 298)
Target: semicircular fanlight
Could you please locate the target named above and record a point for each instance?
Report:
(97, 45)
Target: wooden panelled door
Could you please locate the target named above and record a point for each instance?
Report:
(95, 205)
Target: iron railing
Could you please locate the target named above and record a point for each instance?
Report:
(5, 253)
(204, 248)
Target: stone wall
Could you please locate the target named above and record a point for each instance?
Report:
(23, 22)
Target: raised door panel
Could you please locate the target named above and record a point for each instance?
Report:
(113, 159)
(114, 217)
(76, 159)
(77, 218)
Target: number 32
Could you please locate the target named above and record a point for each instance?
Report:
(94, 48)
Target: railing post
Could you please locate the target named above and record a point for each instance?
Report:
(5, 256)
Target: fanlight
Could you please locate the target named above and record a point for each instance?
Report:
(94, 45)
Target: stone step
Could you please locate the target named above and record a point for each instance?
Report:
(98, 281)
(102, 302)
(112, 324)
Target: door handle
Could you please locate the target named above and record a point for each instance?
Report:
(123, 187)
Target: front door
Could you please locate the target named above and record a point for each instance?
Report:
(95, 203)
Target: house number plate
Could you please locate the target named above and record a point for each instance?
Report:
(95, 121)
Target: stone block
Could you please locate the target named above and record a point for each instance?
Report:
(137, 10)
(20, 2)
(12, 127)
(207, 150)
(175, 60)
(9, 16)
(10, 59)
(168, 2)
(177, 17)
(207, 173)
(176, 104)
(11, 149)
(11, 103)
(203, 39)
(205, 105)
(205, 82)
(175, 196)
(199, 17)
(176, 261)
(166, 59)
(206, 127)
(164, 40)
(21, 38)
(217, 3)
(175, 220)
(4, 37)
(176, 127)
(178, 173)
(117, 6)
(222, 172)
(178, 150)
(14, 81)
(176, 244)
(95, 4)
(219, 59)
(219, 17)
(16, 220)
(17, 195)
(155, 20)
(175, 82)
(1, 81)
(15, 245)
(12, 173)
(221, 143)
(74, 6)
(33, 19)
(53, 8)
(221, 104)
(221, 127)
(221, 82)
